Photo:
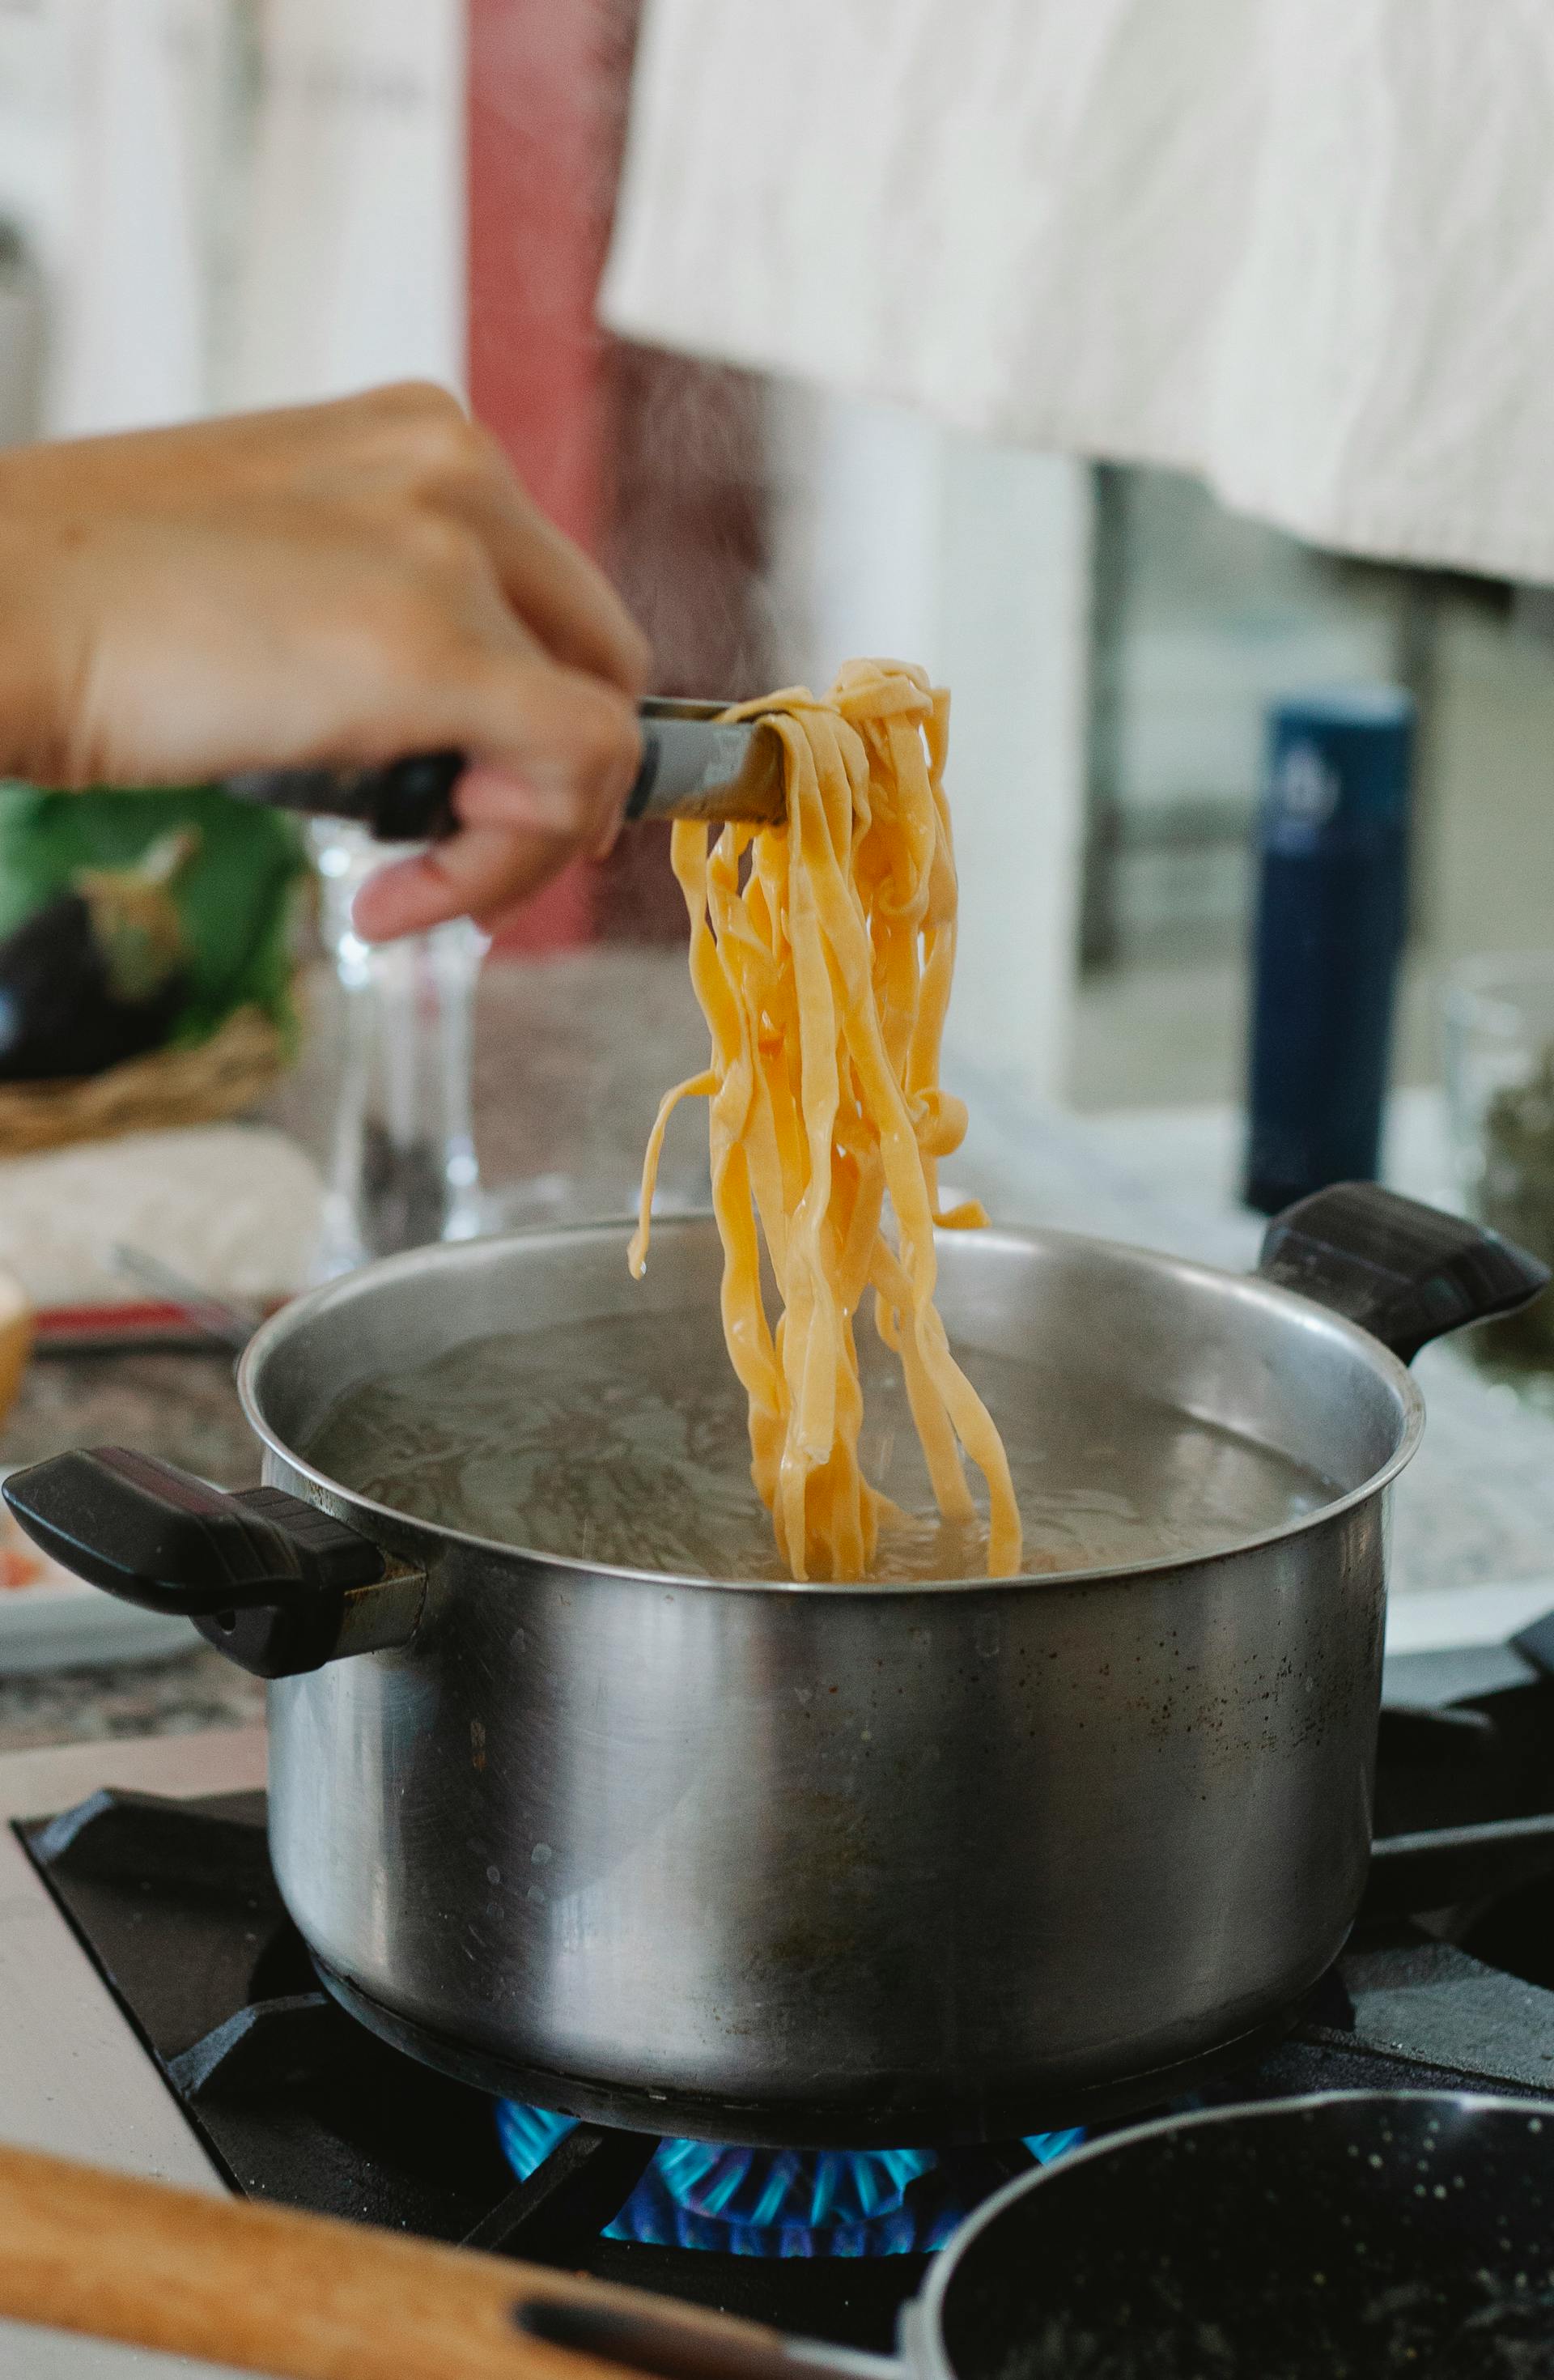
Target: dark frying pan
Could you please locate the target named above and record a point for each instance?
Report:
(1350, 2234)
(1353, 2236)
(1356, 2236)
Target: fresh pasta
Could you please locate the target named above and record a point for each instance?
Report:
(821, 953)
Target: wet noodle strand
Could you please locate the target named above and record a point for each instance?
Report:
(821, 953)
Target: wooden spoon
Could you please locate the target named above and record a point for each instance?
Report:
(302, 2297)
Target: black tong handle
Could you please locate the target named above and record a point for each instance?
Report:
(406, 801)
(695, 764)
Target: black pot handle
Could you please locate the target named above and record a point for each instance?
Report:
(1406, 1273)
(273, 1582)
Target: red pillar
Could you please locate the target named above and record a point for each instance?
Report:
(544, 108)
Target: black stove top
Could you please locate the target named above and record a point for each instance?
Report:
(1447, 1983)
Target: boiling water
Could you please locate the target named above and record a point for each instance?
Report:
(622, 1440)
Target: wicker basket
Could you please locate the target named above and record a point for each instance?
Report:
(215, 1079)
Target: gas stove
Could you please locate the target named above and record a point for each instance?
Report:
(161, 2015)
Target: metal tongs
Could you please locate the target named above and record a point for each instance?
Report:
(695, 765)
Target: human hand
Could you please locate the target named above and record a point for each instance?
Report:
(329, 585)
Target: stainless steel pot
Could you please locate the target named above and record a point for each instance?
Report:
(861, 1865)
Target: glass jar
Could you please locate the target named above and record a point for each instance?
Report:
(1499, 1085)
(401, 1168)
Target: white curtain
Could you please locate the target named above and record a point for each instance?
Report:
(352, 262)
(1303, 246)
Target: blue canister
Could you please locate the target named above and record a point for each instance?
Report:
(1331, 912)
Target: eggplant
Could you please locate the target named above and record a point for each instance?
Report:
(97, 975)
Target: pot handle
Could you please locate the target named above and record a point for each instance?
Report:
(276, 1584)
(1406, 1273)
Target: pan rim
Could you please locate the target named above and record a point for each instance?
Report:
(529, 1560)
(925, 2312)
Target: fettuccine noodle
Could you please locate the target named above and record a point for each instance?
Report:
(821, 953)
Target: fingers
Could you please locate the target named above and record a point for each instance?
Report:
(408, 449)
(587, 816)
(561, 597)
(559, 594)
(416, 432)
(516, 832)
(552, 751)
(478, 872)
(338, 584)
(553, 755)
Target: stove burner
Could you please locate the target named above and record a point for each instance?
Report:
(781, 2202)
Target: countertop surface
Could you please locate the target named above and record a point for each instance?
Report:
(573, 1054)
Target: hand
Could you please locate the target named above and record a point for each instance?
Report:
(336, 584)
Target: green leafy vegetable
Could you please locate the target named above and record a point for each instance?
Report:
(232, 889)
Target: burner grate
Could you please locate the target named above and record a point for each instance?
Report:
(176, 1903)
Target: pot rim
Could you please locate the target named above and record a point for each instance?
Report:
(299, 1310)
(927, 2308)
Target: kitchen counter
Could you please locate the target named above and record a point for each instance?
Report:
(573, 1054)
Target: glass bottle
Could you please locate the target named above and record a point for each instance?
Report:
(401, 1168)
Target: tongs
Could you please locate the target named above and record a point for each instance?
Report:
(695, 765)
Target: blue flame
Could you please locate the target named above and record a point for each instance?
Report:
(745, 2201)
(1047, 2147)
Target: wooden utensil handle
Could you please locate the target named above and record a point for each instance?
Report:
(305, 2298)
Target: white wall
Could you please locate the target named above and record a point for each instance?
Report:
(353, 265)
(898, 536)
(35, 137)
(112, 154)
(150, 139)
(233, 202)
(38, 151)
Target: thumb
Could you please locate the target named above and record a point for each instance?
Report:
(480, 872)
